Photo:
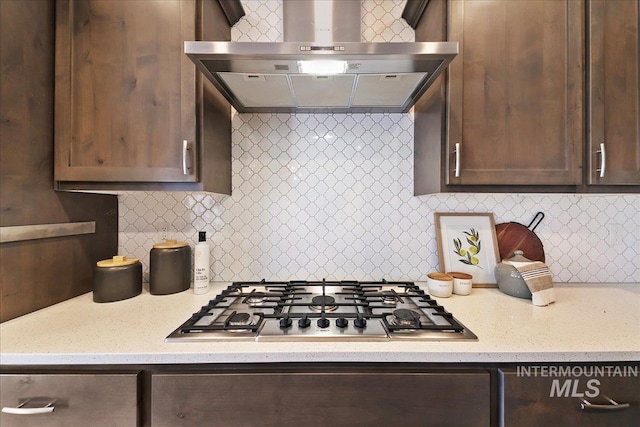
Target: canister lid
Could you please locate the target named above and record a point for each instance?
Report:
(170, 244)
(117, 261)
(518, 259)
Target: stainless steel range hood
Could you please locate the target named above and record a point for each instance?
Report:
(271, 77)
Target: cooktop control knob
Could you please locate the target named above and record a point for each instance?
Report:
(341, 322)
(304, 321)
(285, 322)
(323, 322)
(360, 322)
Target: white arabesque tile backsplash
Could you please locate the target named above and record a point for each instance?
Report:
(331, 196)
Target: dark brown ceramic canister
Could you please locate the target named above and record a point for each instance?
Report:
(169, 267)
(117, 279)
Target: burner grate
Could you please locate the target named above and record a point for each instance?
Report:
(322, 310)
(228, 325)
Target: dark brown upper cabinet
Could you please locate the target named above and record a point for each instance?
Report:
(514, 110)
(614, 94)
(515, 93)
(518, 110)
(131, 112)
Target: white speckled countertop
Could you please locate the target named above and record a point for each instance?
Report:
(588, 322)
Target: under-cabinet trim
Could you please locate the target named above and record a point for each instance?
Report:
(20, 233)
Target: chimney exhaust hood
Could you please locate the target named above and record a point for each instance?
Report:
(346, 75)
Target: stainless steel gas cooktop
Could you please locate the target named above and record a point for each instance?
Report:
(322, 311)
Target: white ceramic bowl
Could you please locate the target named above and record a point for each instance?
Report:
(440, 284)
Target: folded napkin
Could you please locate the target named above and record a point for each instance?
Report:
(538, 278)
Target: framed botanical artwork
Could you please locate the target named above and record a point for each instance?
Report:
(467, 242)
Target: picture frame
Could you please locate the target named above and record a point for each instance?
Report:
(467, 243)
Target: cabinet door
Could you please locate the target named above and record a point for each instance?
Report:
(614, 92)
(321, 399)
(515, 93)
(125, 92)
(541, 398)
(78, 400)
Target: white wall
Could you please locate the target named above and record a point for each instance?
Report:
(331, 196)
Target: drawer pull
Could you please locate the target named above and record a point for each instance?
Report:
(187, 162)
(21, 410)
(456, 172)
(613, 406)
(603, 160)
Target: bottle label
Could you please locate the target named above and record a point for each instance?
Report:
(201, 274)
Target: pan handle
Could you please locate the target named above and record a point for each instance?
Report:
(539, 217)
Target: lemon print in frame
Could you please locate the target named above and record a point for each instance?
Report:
(469, 250)
(467, 243)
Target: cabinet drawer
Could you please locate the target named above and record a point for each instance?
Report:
(549, 395)
(78, 399)
(321, 399)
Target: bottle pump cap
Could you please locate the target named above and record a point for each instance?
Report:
(202, 236)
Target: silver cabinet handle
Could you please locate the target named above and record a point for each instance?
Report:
(20, 410)
(603, 160)
(613, 406)
(456, 171)
(186, 148)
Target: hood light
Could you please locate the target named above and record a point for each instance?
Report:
(322, 67)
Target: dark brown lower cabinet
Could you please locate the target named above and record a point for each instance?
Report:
(325, 394)
(321, 399)
(554, 397)
(88, 399)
